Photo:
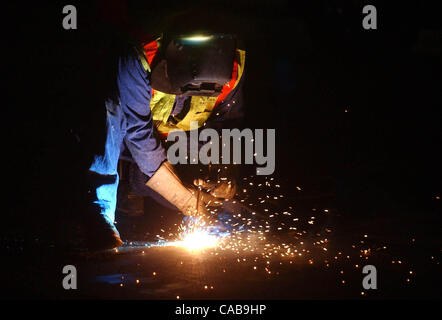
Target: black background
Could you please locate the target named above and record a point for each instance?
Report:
(307, 62)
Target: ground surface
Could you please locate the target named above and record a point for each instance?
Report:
(327, 253)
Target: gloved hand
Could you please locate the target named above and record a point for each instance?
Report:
(166, 182)
(223, 189)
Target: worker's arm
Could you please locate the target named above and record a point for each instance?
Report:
(135, 93)
(166, 182)
(141, 140)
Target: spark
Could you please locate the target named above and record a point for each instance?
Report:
(197, 38)
(197, 235)
(198, 240)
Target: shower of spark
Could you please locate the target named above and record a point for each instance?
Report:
(254, 232)
(260, 229)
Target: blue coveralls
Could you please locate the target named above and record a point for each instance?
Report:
(129, 124)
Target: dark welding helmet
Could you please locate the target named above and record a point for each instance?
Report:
(197, 65)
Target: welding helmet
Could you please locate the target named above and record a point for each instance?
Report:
(195, 65)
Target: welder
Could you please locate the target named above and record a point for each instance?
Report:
(163, 85)
(215, 102)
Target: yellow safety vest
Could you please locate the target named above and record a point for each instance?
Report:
(161, 104)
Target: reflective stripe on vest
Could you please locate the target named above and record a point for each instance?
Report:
(161, 104)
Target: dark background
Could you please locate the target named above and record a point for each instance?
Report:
(307, 63)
